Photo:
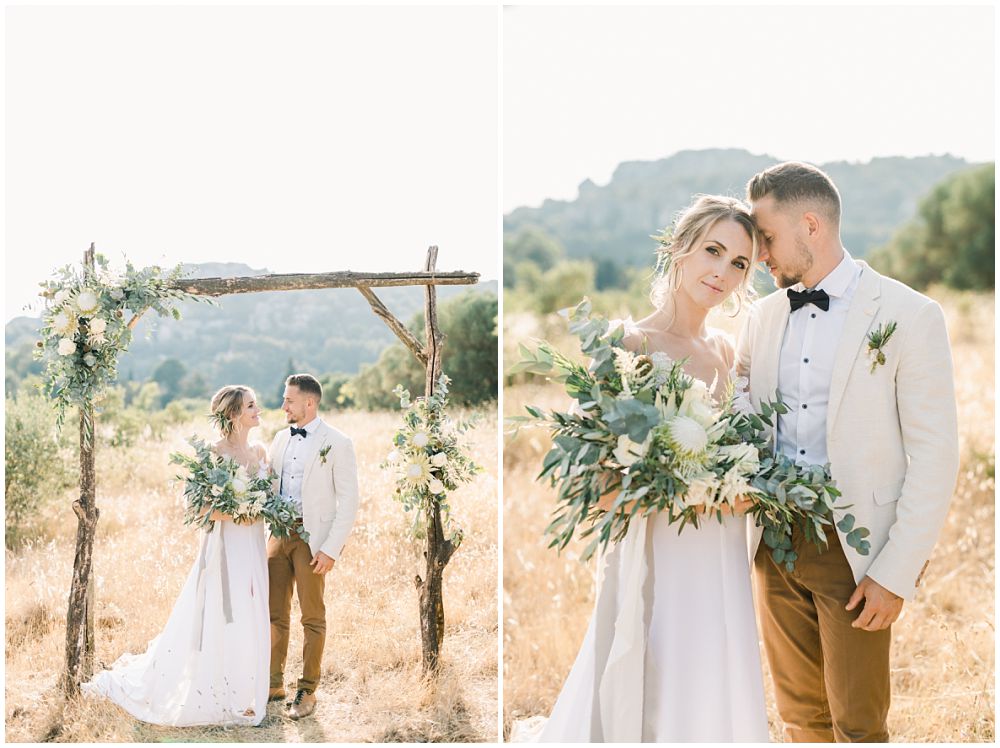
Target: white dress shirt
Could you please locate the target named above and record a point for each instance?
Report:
(805, 365)
(293, 466)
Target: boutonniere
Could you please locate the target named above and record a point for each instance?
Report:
(323, 453)
(877, 339)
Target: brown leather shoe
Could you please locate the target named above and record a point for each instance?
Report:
(303, 705)
(277, 694)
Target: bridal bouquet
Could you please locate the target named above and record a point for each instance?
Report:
(215, 482)
(428, 457)
(643, 427)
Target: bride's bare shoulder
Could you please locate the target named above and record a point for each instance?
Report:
(637, 333)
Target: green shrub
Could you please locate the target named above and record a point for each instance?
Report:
(37, 467)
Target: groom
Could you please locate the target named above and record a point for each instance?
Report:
(318, 475)
(879, 406)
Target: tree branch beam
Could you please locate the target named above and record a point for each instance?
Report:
(407, 337)
(307, 281)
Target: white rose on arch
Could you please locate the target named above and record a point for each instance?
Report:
(98, 325)
(67, 347)
(439, 460)
(435, 486)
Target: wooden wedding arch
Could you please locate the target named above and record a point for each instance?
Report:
(438, 550)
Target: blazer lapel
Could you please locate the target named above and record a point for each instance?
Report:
(861, 315)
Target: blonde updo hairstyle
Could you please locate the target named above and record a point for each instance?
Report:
(227, 405)
(683, 239)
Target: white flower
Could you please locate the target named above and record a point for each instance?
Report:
(418, 470)
(435, 486)
(744, 456)
(98, 325)
(733, 485)
(697, 404)
(419, 439)
(243, 508)
(64, 322)
(393, 455)
(242, 474)
(439, 460)
(701, 490)
(117, 294)
(239, 486)
(629, 451)
(86, 301)
(67, 347)
(90, 359)
(216, 490)
(61, 297)
(96, 338)
(687, 436)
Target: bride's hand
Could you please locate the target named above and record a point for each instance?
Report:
(739, 507)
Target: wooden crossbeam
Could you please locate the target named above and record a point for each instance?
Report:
(305, 281)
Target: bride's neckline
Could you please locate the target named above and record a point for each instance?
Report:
(629, 325)
(259, 460)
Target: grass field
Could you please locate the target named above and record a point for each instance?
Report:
(371, 688)
(943, 647)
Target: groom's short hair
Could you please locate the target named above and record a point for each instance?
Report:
(308, 384)
(794, 181)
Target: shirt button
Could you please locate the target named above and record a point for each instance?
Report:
(813, 315)
(802, 451)
(806, 360)
(804, 406)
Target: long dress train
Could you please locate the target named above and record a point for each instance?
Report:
(209, 665)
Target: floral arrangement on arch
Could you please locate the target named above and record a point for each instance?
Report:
(84, 326)
(428, 457)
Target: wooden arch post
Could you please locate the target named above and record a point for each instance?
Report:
(80, 619)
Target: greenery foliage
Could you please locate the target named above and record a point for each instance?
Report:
(469, 323)
(37, 467)
(952, 238)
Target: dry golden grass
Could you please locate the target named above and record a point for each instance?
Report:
(943, 649)
(371, 688)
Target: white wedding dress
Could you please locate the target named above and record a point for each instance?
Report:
(209, 665)
(671, 653)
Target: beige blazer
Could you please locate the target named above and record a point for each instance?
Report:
(329, 489)
(892, 435)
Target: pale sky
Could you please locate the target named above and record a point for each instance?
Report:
(586, 88)
(293, 138)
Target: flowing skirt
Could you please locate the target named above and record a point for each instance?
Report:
(671, 653)
(209, 665)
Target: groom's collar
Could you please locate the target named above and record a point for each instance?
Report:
(312, 425)
(838, 281)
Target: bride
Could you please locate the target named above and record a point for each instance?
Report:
(671, 652)
(209, 665)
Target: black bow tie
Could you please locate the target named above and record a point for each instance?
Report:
(818, 297)
(299, 432)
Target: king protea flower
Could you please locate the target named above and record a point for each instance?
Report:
(87, 302)
(64, 322)
(420, 439)
(418, 470)
(688, 440)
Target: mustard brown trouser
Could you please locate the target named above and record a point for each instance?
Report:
(288, 566)
(831, 681)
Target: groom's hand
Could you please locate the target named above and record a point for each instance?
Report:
(321, 563)
(881, 608)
